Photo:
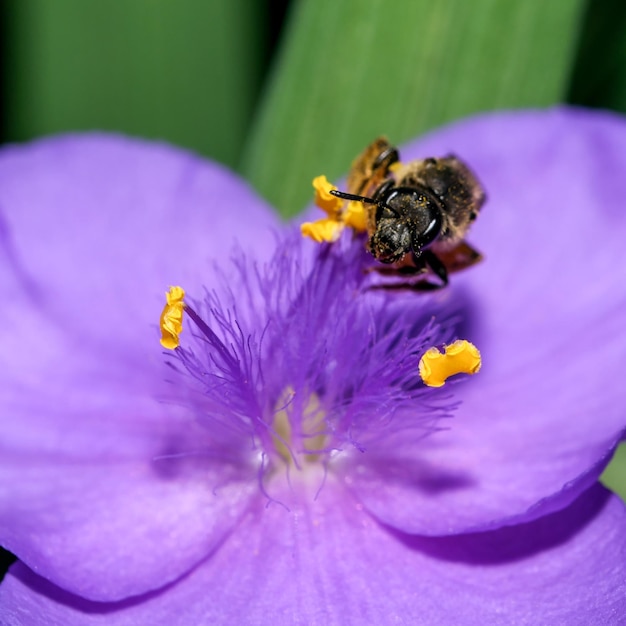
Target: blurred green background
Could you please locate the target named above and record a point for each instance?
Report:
(260, 85)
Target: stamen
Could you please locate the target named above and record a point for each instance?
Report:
(324, 199)
(355, 216)
(460, 357)
(329, 228)
(326, 229)
(171, 322)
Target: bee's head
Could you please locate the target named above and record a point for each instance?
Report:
(416, 215)
(407, 220)
(391, 241)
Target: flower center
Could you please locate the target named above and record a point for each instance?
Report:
(299, 431)
(305, 363)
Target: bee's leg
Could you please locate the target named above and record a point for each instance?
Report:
(417, 265)
(387, 157)
(437, 266)
(428, 260)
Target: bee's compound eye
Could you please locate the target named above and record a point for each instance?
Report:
(428, 228)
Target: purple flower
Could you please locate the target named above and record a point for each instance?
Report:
(285, 464)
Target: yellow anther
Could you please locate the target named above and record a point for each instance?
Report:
(340, 214)
(355, 216)
(328, 228)
(460, 357)
(324, 199)
(171, 321)
(325, 229)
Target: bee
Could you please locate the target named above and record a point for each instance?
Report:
(417, 213)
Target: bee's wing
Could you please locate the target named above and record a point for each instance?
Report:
(459, 257)
(371, 167)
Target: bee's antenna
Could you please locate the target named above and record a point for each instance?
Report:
(351, 196)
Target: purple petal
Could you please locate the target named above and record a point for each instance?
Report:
(93, 231)
(546, 309)
(328, 562)
(115, 530)
(95, 228)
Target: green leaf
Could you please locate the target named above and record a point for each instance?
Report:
(353, 69)
(614, 476)
(186, 71)
(599, 79)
